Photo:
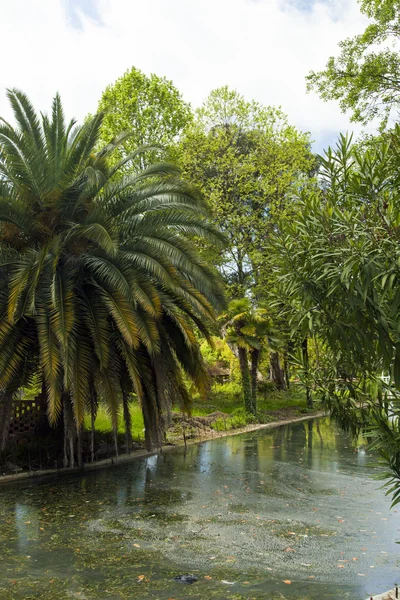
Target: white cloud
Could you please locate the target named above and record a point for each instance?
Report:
(263, 48)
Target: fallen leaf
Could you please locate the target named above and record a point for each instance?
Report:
(137, 545)
(287, 581)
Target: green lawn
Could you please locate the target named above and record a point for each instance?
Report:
(223, 398)
(227, 398)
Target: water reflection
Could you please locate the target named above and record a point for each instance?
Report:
(297, 499)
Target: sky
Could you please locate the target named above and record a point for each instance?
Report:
(262, 48)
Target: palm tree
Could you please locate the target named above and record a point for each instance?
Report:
(248, 328)
(99, 272)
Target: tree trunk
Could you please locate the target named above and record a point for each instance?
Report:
(278, 376)
(65, 421)
(153, 424)
(93, 414)
(71, 448)
(246, 385)
(79, 445)
(127, 420)
(92, 430)
(286, 370)
(286, 361)
(69, 430)
(115, 436)
(255, 360)
(304, 347)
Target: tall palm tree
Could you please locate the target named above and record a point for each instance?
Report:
(100, 278)
(249, 329)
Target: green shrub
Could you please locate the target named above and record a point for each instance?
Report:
(239, 418)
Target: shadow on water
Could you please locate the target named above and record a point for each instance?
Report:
(245, 514)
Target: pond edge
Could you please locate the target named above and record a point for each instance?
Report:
(139, 454)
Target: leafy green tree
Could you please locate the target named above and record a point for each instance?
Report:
(365, 77)
(102, 289)
(338, 263)
(149, 107)
(247, 160)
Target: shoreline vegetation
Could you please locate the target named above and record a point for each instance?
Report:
(222, 411)
(180, 442)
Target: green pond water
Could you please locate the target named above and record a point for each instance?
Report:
(243, 513)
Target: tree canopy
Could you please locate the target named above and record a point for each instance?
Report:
(247, 160)
(365, 77)
(149, 107)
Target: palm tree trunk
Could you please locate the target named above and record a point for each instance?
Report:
(79, 445)
(277, 372)
(153, 426)
(255, 360)
(115, 434)
(127, 420)
(304, 347)
(92, 429)
(71, 448)
(69, 430)
(65, 421)
(93, 413)
(246, 385)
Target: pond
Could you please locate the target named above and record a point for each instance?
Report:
(244, 514)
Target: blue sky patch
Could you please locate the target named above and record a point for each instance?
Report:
(74, 8)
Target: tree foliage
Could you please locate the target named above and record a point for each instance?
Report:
(247, 160)
(102, 290)
(339, 267)
(149, 107)
(365, 77)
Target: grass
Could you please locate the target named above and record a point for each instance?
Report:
(226, 398)
(103, 422)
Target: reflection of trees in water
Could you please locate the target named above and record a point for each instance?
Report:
(280, 438)
(297, 440)
(251, 461)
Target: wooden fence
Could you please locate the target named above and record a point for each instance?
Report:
(27, 415)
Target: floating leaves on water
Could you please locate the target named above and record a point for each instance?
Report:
(287, 581)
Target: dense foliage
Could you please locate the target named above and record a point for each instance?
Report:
(102, 290)
(338, 263)
(247, 160)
